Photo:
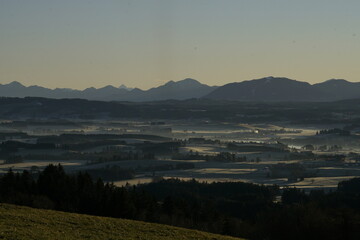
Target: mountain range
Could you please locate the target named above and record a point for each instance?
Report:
(264, 89)
(180, 90)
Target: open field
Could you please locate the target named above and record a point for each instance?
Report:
(327, 176)
(218, 134)
(26, 165)
(17, 223)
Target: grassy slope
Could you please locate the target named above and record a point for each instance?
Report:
(27, 223)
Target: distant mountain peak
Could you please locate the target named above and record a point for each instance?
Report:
(265, 89)
(89, 88)
(273, 80)
(108, 87)
(187, 83)
(169, 83)
(336, 80)
(15, 84)
(123, 86)
(189, 80)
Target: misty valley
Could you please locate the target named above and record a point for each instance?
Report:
(257, 159)
(179, 120)
(311, 156)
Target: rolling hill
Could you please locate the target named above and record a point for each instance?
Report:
(338, 89)
(266, 89)
(24, 223)
(285, 89)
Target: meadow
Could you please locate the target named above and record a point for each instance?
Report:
(24, 223)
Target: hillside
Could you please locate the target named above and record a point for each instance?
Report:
(27, 223)
(338, 89)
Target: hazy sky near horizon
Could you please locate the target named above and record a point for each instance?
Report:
(145, 43)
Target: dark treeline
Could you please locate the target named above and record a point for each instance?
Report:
(255, 148)
(220, 157)
(90, 157)
(9, 147)
(218, 110)
(103, 157)
(84, 138)
(165, 167)
(91, 144)
(54, 189)
(337, 131)
(238, 209)
(111, 173)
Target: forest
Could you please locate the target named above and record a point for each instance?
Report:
(231, 208)
(216, 110)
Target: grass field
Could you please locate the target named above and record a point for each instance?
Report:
(25, 223)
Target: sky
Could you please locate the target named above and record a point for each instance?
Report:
(145, 43)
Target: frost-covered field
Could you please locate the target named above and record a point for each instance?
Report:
(326, 177)
(250, 171)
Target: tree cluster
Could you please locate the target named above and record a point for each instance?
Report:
(219, 157)
(337, 131)
(234, 208)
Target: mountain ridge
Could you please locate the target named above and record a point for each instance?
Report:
(262, 89)
(179, 90)
(285, 89)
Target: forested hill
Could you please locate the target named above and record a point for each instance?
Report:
(24, 223)
(232, 208)
(44, 108)
(274, 89)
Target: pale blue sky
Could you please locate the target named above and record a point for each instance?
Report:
(144, 43)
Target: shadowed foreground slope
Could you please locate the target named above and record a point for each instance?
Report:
(27, 223)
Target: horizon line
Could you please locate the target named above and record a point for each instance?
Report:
(132, 88)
